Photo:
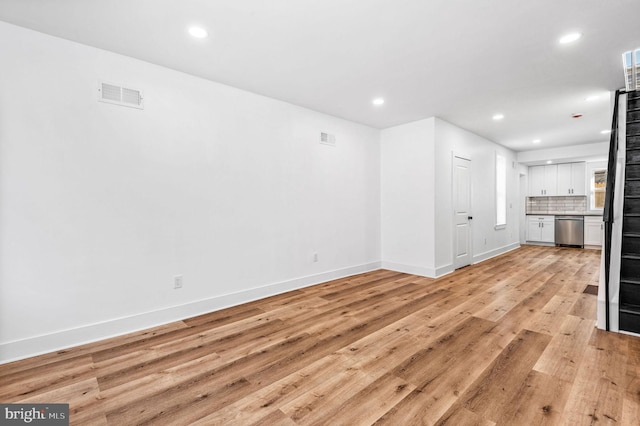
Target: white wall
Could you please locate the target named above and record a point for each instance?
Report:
(486, 240)
(565, 154)
(408, 186)
(102, 205)
(417, 204)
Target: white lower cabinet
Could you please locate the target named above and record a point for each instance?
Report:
(540, 229)
(593, 230)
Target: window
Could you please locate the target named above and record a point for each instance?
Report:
(501, 191)
(598, 187)
(631, 65)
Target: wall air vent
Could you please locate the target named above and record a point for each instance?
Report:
(327, 139)
(118, 95)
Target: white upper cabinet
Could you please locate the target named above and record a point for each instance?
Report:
(550, 179)
(572, 179)
(557, 179)
(543, 180)
(536, 181)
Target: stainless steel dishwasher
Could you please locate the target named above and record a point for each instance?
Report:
(569, 231)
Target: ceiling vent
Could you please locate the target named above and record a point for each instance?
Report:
(118, 95)
(327, 139)
(631, 65)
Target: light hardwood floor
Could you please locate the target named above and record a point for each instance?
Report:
(510, 341)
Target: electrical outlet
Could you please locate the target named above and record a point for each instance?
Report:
(315, 257)
(177, 281)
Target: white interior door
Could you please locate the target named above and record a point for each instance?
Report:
(461, 212)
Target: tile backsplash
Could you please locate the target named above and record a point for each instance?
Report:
(557, 205)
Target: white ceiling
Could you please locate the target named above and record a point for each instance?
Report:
(460, 60)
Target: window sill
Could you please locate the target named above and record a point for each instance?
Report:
(497, 227)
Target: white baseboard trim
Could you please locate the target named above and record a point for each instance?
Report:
(493, 253)
(614, 305)
(601, 318)
(409, 269)
(25, 348)
(446, 269)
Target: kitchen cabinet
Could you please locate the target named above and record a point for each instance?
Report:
(543, 180)
(558, 179)
(571, 179)
(541, 229)
(536, 181)
(593, 230)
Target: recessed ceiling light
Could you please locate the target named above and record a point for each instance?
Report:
(537, 141)
(498, 117)
(378, 101)
(549, 161)
(198, 32)
(569, 38)
(605, 132)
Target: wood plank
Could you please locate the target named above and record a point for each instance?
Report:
(21, 384)
(381, 347)
(42, 361)
(564, 354)
(276, 417)
(631, 403)
(489, 395)
(539, 401)
(442, 371)
(549, 319)
(395, 343)
(180, 352)
(219, 322)
(598, 391)
(86, 394)
(158, 382)
(213, 388)
(261, 403)
(585, 306)
(343, 291)
(462, 416)
(368, 404)
(340, 385)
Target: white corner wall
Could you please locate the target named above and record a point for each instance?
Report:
(417, 201)
(408, 189)
(487, 241)
(101, 205)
